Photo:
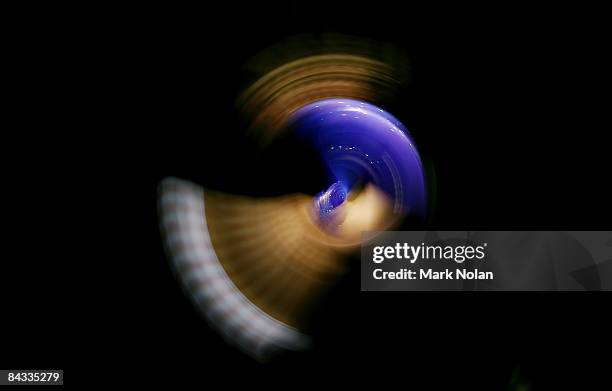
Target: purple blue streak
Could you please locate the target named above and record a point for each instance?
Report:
(330, 199)
(361, 143)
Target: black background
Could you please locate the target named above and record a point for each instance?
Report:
(503, 102)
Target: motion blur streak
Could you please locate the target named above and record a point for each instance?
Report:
(307, 69)
(254, 266)
(362, 143)
(250, 265)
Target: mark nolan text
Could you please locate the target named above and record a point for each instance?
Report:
(429, 274)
